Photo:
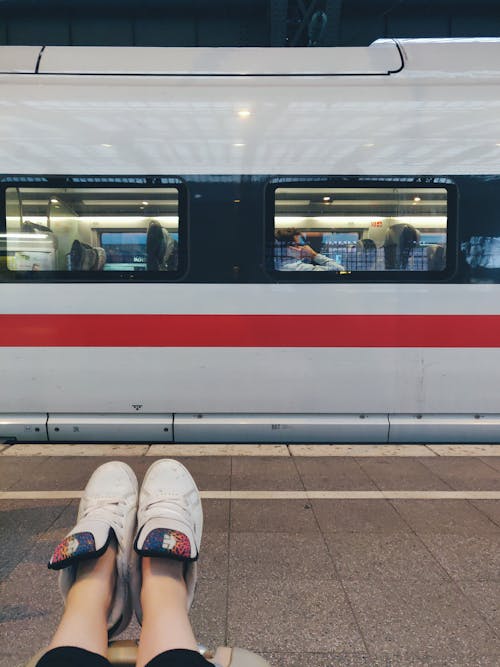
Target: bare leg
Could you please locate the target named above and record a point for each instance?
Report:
(165, 624)
(85, 619)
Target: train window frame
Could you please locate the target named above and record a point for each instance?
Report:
(87, 181)
(368, 181)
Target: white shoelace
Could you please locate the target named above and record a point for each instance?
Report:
(107, 509)
(157, 509)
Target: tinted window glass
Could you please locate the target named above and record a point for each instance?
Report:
(92, 229)
(348, 230)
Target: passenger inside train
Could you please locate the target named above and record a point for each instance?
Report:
(297, 254)
(360, 229)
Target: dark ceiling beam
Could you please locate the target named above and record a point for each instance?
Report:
(333, 11)
(278, 14)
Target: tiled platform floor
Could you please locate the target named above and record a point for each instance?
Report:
(309, 583)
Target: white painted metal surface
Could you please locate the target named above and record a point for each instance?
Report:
(247, 299)
(19, 59)
(417, 121)
(380, 58)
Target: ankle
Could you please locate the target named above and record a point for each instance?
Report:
(158, 568)
(97, 577)
(163, 579)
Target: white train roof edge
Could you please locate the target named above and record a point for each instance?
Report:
(407, 57)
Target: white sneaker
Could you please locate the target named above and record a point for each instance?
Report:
(108, 507)
(169, 524)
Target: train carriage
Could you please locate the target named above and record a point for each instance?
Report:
(244, 245)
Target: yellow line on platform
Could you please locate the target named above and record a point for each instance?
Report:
(285, 495)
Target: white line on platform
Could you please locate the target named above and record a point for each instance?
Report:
(285, 495)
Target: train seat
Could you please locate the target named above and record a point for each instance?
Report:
(123, 653)
(436, 257)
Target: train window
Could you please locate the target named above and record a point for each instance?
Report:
(87, 231)
(355, 230)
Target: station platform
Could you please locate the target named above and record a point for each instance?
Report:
(312, 555)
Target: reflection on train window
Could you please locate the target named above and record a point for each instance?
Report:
(92, 229)
(348, 230)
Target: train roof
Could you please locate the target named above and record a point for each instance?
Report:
(419, 57)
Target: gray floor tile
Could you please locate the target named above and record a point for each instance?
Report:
(216, 515)
(474, 557)
(209, 473)
(333, 474)
(27, 636)
(11, 660)
(491, 461)
(73, 472)
(209, 612)
(358, 516)
(485, 596)
(213, 563)
(278, 474)
(401, 474)
(430, 659)
(278, 556)
(419, 618)
(490, 508)
(47, 541)
(19, 473)
(291, 615)
(464, 473)
(60, 473)
(397, 557)
(21, 524)
(267, 516)
(457, 517)
(31, 590)
(303, 659)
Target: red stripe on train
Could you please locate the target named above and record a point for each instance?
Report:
(250, 331)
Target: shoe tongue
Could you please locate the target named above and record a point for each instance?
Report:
(87, 540)
(176, 541)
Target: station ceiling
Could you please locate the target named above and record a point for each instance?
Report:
(241, 22)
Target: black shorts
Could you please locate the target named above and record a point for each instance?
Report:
(72, 656)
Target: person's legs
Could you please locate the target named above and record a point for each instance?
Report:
(85, 618)
(170, 525)
(166, 624)
(81, 638)
(93, 564)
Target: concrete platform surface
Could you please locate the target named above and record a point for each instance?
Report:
(304, 576)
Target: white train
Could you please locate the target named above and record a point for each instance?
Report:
(251, 245)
